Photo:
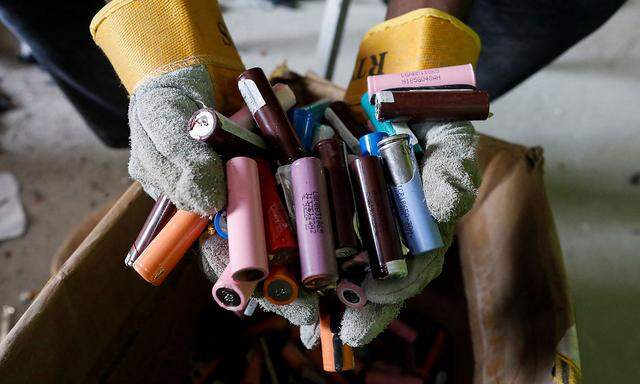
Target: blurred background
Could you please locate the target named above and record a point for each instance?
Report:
(583, 109)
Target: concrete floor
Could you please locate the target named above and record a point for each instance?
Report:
(583, 109)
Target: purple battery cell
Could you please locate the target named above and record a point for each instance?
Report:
(318, 263)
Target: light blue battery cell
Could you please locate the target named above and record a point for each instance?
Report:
(387, 126)
(419, 229)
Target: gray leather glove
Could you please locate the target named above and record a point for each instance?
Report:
(164, 159)
(450, 180)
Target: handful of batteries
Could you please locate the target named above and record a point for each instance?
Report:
(320, 203)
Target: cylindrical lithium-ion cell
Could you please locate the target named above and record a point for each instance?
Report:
(333, 155)
(245, 228)
(351, 294)
(416, 106)
(460, 75)
(285, 97)
(283, 179)
(318, 264)
(168, 248)
(162, 211)
(419, 229)
(377, 225)
(323, 132)
(280, 286)
(230, 294)
(269, 115)
(369, 143)
(224, 135)
(282, 246)
(336, 356)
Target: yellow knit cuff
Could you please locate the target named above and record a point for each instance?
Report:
(421, 39)
(147, 38)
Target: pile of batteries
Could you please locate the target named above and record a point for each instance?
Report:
(415, 349)
(321, 203)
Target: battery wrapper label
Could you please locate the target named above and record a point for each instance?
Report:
(419, 229)
(251, 95)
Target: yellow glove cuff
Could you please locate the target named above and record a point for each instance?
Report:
(147, 38)
(421, 39)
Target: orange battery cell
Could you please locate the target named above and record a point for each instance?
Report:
(166, 249)
(280, 286)
(336, 356)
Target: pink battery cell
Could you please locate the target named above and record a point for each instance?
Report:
(247, 246)
(230, 294)
(462, 75)
(351, 294)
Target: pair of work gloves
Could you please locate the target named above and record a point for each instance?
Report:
(172, 69)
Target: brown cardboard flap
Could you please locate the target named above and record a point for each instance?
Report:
(513, 270)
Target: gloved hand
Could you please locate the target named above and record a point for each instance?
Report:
(164, 159)
(449, 171)
(450, 180)
(174, 57)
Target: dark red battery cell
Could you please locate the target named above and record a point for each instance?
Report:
(281, 242)
(333, 155)
(269, 116)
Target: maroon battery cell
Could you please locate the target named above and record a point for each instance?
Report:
(436, 105)
(162, 211)
(377, 224)
(269, 115)
(333, 155)
(224, 135)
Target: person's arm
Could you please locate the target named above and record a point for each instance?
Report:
(457, 8)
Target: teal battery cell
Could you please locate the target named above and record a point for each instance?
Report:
(387, 126)
(305, 119)
(419, 229)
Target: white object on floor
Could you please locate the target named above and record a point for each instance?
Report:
(13, 221)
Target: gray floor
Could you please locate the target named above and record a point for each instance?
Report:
(583, 109)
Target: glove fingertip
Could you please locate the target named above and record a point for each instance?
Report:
(137, 172)
(302, 311)
(214, 255)
(360, 326)
(310, 335)
(203, 186)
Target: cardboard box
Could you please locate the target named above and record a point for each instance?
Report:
(503, 297)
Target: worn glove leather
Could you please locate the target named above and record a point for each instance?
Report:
(164, 159)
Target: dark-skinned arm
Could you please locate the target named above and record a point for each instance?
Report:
(457, 8)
